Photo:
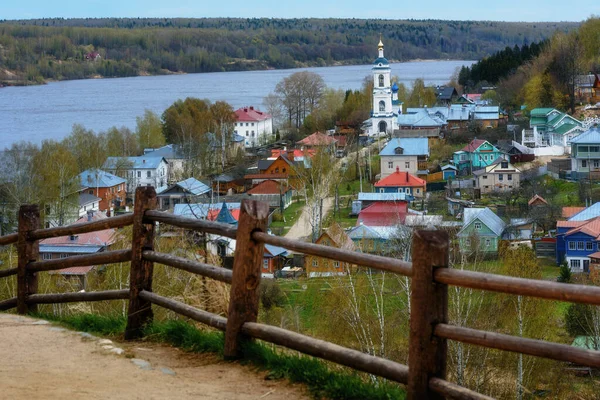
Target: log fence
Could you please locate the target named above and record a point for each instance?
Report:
(425, 375)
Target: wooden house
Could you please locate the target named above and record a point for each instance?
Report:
(336, 237)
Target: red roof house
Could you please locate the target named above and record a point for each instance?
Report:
(383, 214)
(317, 139)
(250, 114)
(402, 182)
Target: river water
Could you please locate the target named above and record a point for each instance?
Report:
(36, 113)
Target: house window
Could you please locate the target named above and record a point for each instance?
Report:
(500, 177)
(418, 191)
(381, 80)
(580, 245)
(315, 263)
(91, 192)
(596, 163)
(148, 174)
(572, 245)
(46, 256)
(575, 264)
(484, 176)
(407, 190)
(463, 157)
(252, 124)
(399, 190)
(266, 264)
(589, 245)
(63, 255)
(246, 136)
(381, 190)
(336, 264)
(407, 164)
(382, 106)
(478, 226)
(583, 163)
(390, 164)
(488, 242)
(246, 124)
(509, 176)
(467, 242)
(139, 174)
(594, 149)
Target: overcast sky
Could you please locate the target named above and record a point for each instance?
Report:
(506, 10)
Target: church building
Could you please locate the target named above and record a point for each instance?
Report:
(386, 107)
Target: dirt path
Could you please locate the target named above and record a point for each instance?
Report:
(301, 229)
(41, 361)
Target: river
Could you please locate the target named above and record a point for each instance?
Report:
(37, 113)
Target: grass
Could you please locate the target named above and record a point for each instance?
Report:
(290, 216)
(320, 379)
(352, 187)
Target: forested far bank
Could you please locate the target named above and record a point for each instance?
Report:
(34, 51)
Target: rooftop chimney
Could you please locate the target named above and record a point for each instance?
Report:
(397, 169)
(90, 215)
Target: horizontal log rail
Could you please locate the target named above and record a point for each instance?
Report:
(84, 227)
(8, 272)
(195, 267)
(107, 257)
(8, 304)
(532, 347)
(9, 239)
(519, 286)
(295, 341)
(216, 228)
(332, 253)
(54, 298)
(454, 391)
(328, 351)
(210, 319)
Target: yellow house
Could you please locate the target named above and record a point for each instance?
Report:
(336, 237)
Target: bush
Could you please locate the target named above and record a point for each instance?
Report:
(578, 319)
(565, 273)
(270, 294)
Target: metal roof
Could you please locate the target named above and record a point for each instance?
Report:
(590, 136)
(86, 198)
(410, 147)
(362, 231)
(194, 186)
(142, 162)
(170, 151)
(592, 211)
(98, 178)
(486, 216)
(200, 211)
(363, 196)
(274, 251)
(77, 249)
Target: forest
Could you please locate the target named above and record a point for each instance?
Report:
(35, 51)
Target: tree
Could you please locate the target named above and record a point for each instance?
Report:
(149, 131)
(56, 181)
(567, 64)
(86, 147)
(300, 93)
(420, 95)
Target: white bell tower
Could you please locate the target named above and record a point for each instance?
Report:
(382, 118)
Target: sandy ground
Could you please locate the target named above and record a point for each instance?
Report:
(41, 361)
(301, 229)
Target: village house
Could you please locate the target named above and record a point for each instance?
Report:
(109, 189)
(336, 237)
(139, 171)
(587, 88)
(380, 240)
(187, 191)
(577, 217)
(581, 239)
(549, 127)
(399, 182)
(446, 95)
(256, 127)
(406, 154)
(317, 140)
(585, 155)
(75, 245)
(481, 231)
(275, 193)
(384, 214)
(499, 177)
(274, 258)
(174, 156)
(477, 154)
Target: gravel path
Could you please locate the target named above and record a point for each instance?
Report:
(41, 361)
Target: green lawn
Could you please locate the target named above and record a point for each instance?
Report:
(353, 187)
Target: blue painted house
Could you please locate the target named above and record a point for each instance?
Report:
(476, 155)
(402, 182)
(578, 237)
(449, 171)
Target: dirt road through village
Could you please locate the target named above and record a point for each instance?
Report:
(302, 229)
(42, 361)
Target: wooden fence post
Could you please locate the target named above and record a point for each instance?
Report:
(243, 301)
(140, 276)
(28, 251)
(428, 307)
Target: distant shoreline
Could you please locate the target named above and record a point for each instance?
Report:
(16, 82)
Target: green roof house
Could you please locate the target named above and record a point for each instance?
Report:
(550, 127)
(481, 231)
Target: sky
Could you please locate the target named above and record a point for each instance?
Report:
(506, 10)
